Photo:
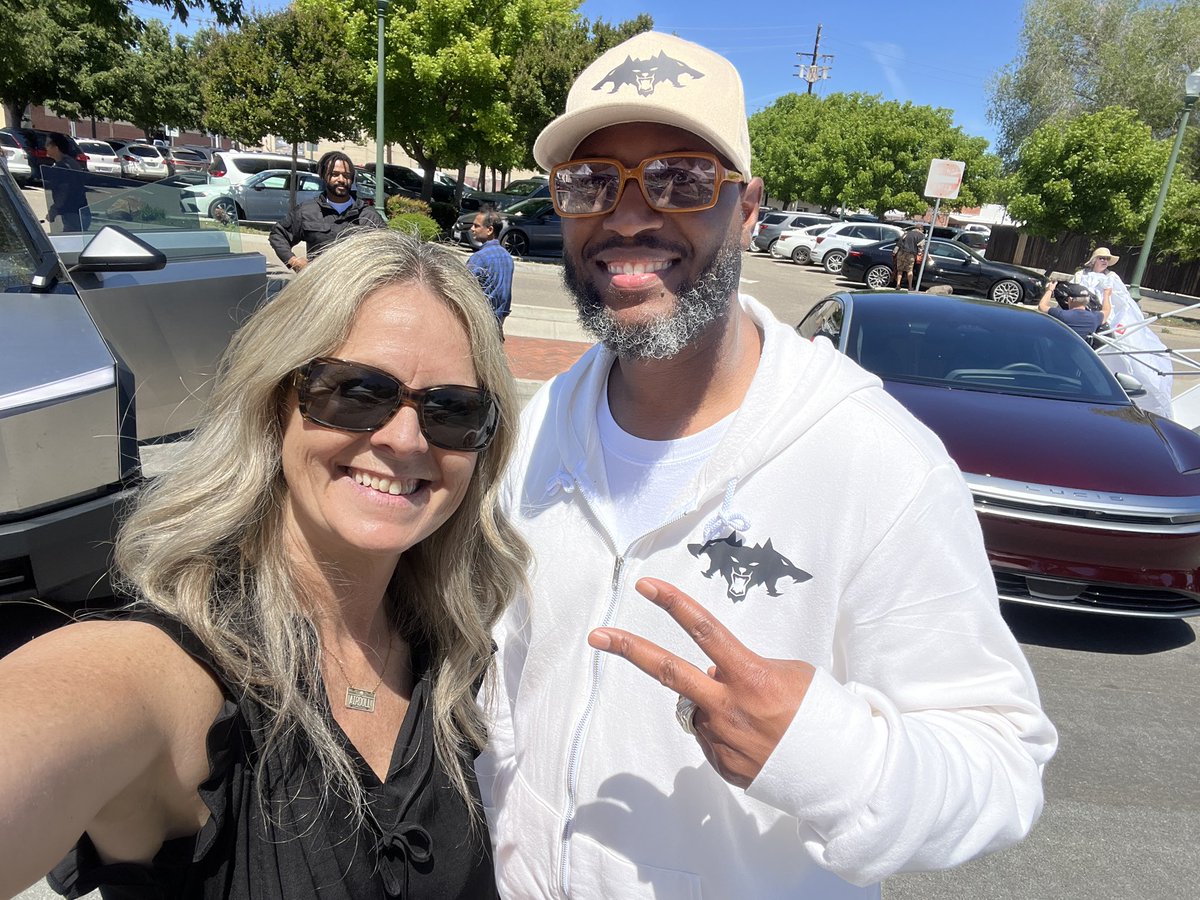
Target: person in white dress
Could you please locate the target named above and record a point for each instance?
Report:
(1153, 370)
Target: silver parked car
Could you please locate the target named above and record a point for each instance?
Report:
(107, 352)
(16, 160)
(260, 198)
(101, 157)
(143, 161)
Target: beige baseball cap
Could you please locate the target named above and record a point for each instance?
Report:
(654, 77)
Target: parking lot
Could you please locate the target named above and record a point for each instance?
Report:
(1122, 815)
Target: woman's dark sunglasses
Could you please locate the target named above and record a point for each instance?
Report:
(350, 396)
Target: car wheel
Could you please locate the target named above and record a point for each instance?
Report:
(771, 247)
(1007, 291)
(801, 255)
(223, 210)
(833, 262)
(515, 243)
(879, 277)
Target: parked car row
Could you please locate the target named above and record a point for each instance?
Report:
(33, 142)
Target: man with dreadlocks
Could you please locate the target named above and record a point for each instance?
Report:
(320, 222)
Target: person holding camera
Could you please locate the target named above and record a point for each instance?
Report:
(1076, 315)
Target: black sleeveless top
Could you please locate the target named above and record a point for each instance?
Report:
(418, 840)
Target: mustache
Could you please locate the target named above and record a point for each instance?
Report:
(648, 242)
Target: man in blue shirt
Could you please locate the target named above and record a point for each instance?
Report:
(1083, 321)
(492, 264)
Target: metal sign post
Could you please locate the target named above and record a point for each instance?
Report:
(943, 183)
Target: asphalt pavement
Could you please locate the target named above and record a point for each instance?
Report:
(1122, 816)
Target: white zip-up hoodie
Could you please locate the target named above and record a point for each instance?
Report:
(829, 526)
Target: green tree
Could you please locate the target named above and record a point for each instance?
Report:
(290, 74)
(49, 52)
(447, 73)
(855, 150)
(1099, 175)
(1080, 56)
(89, 55)
(544, 69)
(158, 82)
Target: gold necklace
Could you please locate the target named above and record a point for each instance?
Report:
(361, 698)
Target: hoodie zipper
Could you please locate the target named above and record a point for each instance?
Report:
(564, 852)
(568, 827)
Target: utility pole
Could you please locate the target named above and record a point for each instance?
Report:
(813, 72)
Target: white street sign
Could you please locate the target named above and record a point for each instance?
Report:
(945, 178)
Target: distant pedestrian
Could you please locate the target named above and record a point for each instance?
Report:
(492, 264)
(318, 223)
(905, 253)
(64, 181)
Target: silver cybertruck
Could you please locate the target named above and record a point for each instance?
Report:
(109, 337)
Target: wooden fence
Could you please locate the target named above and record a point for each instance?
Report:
(1010, 244)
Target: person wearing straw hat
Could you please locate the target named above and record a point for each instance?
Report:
(1134, 347)
(760, 652)
(1097, 275)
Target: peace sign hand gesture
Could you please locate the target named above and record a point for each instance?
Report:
(744, 703)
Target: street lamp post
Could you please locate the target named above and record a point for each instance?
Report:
(381, 7)
(1191, 93)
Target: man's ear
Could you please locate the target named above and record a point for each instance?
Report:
(751, 201)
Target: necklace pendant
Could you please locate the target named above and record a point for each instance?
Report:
(357, 698)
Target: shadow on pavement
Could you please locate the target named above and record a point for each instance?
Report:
(1066, 630)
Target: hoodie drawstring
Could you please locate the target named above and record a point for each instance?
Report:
(726, 519)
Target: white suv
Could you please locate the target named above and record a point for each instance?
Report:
(832, 247)
(235, 166)
(797, 245)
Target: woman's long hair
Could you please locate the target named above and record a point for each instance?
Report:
(205, 542)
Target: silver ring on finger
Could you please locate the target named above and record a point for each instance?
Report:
(685, 714)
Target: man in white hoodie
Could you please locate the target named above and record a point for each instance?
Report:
(760, 654)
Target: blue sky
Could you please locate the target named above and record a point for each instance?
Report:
(931, 52)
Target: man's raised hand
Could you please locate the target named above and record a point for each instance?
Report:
(744, 703)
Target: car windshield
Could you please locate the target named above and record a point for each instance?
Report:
(95, 147)
(983, 347)
(529, 207)
(522, 188)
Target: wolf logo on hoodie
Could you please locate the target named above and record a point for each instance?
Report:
(744, 567)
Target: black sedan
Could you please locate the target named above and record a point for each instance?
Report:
(952, 264)
(1086, 501)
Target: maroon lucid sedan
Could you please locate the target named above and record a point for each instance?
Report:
(1086, 501)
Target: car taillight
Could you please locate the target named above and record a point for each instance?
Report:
(40, 153)
(218, 172)
(820, 239)
(856, 253)
(83, 157)
(130, 158)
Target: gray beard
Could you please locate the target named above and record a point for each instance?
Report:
(698, 304)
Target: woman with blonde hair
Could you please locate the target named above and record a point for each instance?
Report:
(287, 706)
